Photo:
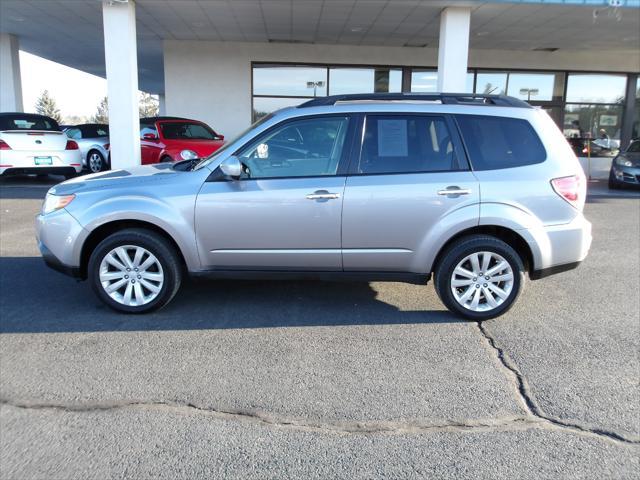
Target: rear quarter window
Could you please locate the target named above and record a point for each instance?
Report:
(499, 142)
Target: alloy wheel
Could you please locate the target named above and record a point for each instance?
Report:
(131, 275)
(482, 281)
(95, 162)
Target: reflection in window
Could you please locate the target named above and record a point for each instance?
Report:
(601, 123)
(289, 81)
(426, 81)
(595, 88)
(300, 148)
(263, 106)
(526, 86)
(635, 129)
(364, 80)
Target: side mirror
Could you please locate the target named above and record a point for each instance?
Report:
(231, 167)
(220, 137)
(149, 136)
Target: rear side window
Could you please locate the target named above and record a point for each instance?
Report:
(406, 144)
(28, 122)
(499, 142)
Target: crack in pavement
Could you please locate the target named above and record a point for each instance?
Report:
(532, 407)
(340, 427)
(535, 417)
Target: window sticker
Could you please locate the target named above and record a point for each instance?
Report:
(392, 138)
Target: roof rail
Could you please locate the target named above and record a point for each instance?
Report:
(445, 98)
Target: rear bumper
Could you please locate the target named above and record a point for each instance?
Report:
(558, 248)
(17, 162)
(39, 171)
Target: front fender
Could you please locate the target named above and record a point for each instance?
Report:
(176, 221)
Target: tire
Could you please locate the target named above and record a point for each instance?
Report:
(166, 266)
(96, 162)
(613, 184)
(461, 251)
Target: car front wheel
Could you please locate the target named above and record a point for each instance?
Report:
(479, 277)
(135, 271)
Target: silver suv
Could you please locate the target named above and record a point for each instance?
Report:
(479, 191)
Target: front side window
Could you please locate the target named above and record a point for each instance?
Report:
(187, 131)
(406, 144)
(300, 148)
(500, 142)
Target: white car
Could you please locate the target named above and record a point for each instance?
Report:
(35, 144)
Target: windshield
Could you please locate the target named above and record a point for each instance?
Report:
(28, 122)
(206, 161)
(187, 131)
(634, 147)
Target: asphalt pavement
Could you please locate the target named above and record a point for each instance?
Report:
(239, 379)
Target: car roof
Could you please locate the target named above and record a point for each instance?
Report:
(22, 114)
(471, 99)
(159, 119)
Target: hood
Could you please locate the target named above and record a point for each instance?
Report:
(133, 176)
(633, 157)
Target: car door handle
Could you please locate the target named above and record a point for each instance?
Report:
(453, 190)
(322, 195)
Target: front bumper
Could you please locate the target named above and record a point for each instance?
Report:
(60, 238)
(626, 175)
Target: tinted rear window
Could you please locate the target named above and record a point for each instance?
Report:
(498, 142)
(27, 122)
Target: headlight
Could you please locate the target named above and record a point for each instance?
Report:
(188, 155)
(623, 162)
(55, 202)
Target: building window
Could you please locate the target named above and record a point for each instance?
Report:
(594, 110)
(426, 81)
(635, 129)
(529, 86)
(364, 80)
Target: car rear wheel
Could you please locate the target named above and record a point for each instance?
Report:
(95, 162)
(135, 271)
(479, 277)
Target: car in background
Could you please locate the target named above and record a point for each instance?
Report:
(93, 141)
(171, 139)
(35, 144)
(625, 168)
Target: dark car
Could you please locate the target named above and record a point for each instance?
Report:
(625, 168)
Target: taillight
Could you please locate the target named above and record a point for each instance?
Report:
(4, 145)
(572, 189)
(71, 145)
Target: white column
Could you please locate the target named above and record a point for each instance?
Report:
(121, 59)
(10, 86)
(162, 106)
(453, 50)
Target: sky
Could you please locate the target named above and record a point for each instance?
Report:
(75, 92)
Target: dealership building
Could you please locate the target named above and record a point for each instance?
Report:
(229, 62)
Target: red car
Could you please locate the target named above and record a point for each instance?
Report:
(172, 139)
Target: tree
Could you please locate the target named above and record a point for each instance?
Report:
(46, 105)
(102, 112)
(149, 106)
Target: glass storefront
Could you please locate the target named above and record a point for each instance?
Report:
(589, 107)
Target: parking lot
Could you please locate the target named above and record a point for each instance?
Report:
(320, 380)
